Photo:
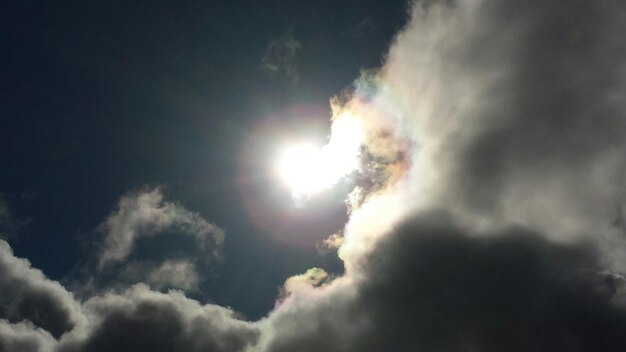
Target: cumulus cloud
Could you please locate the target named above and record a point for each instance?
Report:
(39, 315)
(24, 337)
(26, 294)
(332, 243)
(141, 319)
(514, 113)
(489, 217)
(510, 117)
(429, 286)
(311, 279)
(145, 213)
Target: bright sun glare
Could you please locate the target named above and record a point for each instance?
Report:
(302, 168)
(309, 169)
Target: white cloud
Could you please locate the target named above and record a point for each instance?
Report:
(511, 118)
(146, 214)
(179, 274)
(172, 273)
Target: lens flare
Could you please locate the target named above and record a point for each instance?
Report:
(308, 169)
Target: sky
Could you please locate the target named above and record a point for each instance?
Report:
(431, 175)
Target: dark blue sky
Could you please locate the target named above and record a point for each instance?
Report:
(102, 98)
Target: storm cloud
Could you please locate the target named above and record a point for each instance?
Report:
(38, 314)
(27, 295)
(141, 319)
(429, 286)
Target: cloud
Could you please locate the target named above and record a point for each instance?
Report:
(141, 319)
(362, 29)
(172, 273)
(280, 57)
(7, 223)
(329, 244)
(39, 315)
(492, 220)
(429, 286)
(509, 117)
(514, 116)
(312, 278)
(28, 295)
(144, 214)
(24, 337)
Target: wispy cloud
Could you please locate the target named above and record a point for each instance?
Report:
(171, 273)
(7, 223)
(144, 214)
(280, 57)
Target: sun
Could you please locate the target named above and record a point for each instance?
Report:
(308, 169)
(302, 168)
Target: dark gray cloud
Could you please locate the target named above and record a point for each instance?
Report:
(24, 337)
(141, 319)
(430, 287)
(554, 131)
(39, 315)
(427, 286)
(26, 294)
